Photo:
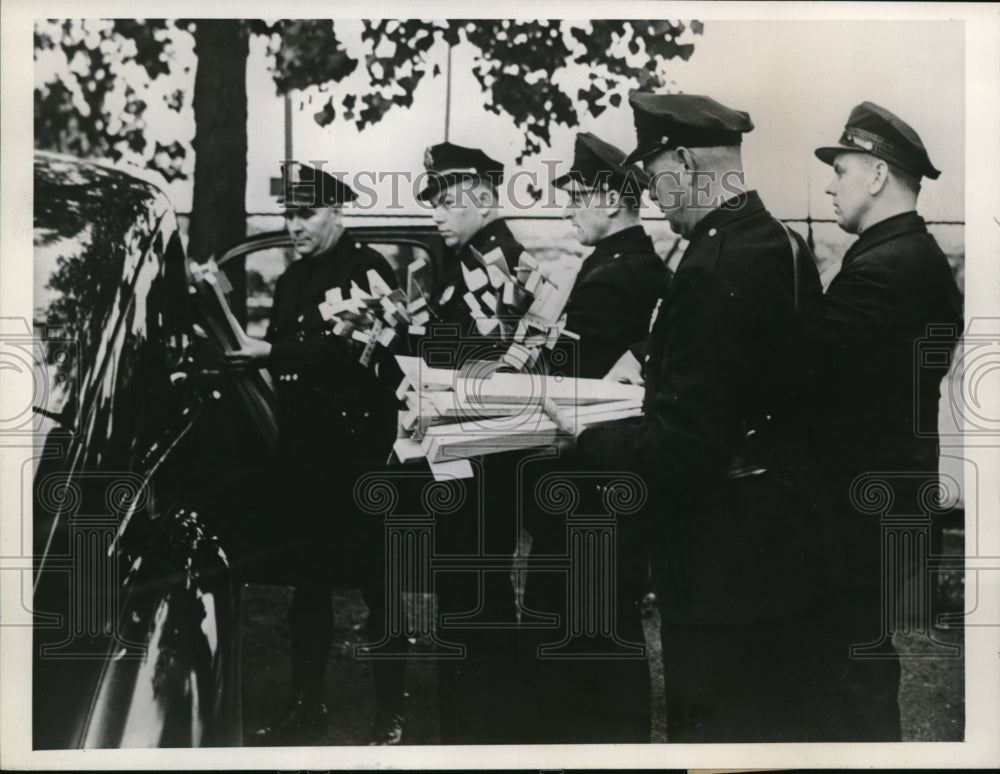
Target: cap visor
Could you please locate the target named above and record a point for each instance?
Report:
(441, 181)
(434, 186)
(640, 155)
(570, 182)
(299, 201)
(829, 154)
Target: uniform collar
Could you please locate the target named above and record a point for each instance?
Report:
(890, 228)
(493, 234)
(731, 210)
(628, 239)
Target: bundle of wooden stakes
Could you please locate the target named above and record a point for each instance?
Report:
(376, 317)
(523, 308)
(453, 415)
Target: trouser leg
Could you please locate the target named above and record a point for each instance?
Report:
(478, 691)
(571, 696)
(865, 688)
(389, 669)
(756, 682)
(311, 627)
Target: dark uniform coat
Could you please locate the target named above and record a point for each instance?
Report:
(879, 406)
(336, 418)
(612, 299)
(877, 414)
(738, 554)
(723, 359)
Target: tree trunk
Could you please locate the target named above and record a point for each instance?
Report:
(218, 212)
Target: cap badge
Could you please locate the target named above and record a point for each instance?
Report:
(868, 145)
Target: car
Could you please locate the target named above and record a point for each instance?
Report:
(153, 489)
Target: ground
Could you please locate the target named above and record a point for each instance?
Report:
(931, 693)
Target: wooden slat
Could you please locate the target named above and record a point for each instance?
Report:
(473, 439)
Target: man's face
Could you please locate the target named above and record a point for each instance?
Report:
(314, 229)
(850, 188)
(669, 187)
(590, 214)
(458, 214)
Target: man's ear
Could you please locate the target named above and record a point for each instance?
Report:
(687, 159)
(486, 198)
(614, 199)
(880, 176)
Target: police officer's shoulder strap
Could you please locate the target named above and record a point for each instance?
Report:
(795, 264)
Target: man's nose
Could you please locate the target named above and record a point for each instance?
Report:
(830, 189)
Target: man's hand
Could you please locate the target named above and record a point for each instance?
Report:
(565, 424)
(627, 370)
(251, 352)
(568, 431)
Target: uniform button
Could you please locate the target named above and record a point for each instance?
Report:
(713, 231)
(295, 377)
(367, 414)
(343, 414)
(357, 245)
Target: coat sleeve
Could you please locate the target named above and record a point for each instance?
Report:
(682, 437)
(272, 333)
(859, 299)
(602, 312)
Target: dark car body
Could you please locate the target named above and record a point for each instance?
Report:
(136, 610)
(153, 494)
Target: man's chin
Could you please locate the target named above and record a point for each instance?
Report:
(850, 228)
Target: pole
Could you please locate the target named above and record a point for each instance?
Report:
(447, 96)
(288, 126)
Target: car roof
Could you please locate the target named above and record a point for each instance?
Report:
(93, 185)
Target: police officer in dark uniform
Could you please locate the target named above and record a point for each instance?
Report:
(337, 421)
(476, 694)
(893, 286)
(733, 519)
(584, 699)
